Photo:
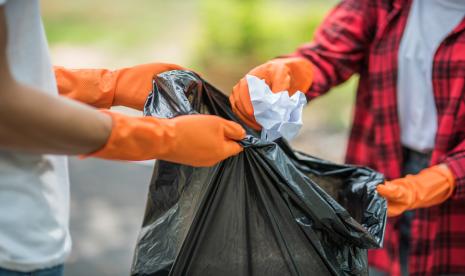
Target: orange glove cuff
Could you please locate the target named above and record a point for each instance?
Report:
(301, 72)
(438, 184)
(104, 88)
(95, 87)
(430, 187)
(136, 138)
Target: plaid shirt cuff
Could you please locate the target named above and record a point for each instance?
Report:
(456, 164)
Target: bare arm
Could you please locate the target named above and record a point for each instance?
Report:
(33, 121)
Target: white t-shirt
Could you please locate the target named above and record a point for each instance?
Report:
(428, 24)
(34, 189)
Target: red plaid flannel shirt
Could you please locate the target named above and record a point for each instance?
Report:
(363, 36)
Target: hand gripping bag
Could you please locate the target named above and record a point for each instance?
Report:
(268, 211)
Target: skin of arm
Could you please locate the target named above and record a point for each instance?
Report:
(33, 121)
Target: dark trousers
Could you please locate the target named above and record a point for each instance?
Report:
(53, 271)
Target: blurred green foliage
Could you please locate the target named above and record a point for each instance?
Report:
(229, 29)
(114, 24)
(257, 29)
(231, 36)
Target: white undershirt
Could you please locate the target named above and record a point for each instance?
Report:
(34, 189)
(428, 24)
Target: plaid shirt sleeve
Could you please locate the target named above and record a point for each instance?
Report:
(456, 162)
(340, 44)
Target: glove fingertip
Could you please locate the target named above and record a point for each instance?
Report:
(233, 148)
(394, 213)
(234, 131)
(382, 189)
(241, 113)
(236, 149)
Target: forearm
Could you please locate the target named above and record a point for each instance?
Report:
(328, 73)
(36, 122)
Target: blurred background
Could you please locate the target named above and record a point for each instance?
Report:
(222, 40)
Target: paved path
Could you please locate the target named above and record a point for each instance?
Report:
(107, 205)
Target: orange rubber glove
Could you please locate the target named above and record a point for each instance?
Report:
(196, 140)
(292, 74)
(104, 88)
(430, 187)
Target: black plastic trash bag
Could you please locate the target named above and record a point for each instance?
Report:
(268, 211)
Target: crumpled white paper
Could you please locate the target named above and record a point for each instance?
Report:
(277, 113)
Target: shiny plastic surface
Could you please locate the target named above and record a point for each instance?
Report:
(268, 211)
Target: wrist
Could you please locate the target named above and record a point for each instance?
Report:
(438, 181)
(103, 134)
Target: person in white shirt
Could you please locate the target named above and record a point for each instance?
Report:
(38, 128)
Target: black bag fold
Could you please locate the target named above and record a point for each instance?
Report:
(267, 211)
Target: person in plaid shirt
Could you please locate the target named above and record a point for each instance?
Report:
(409, 117)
